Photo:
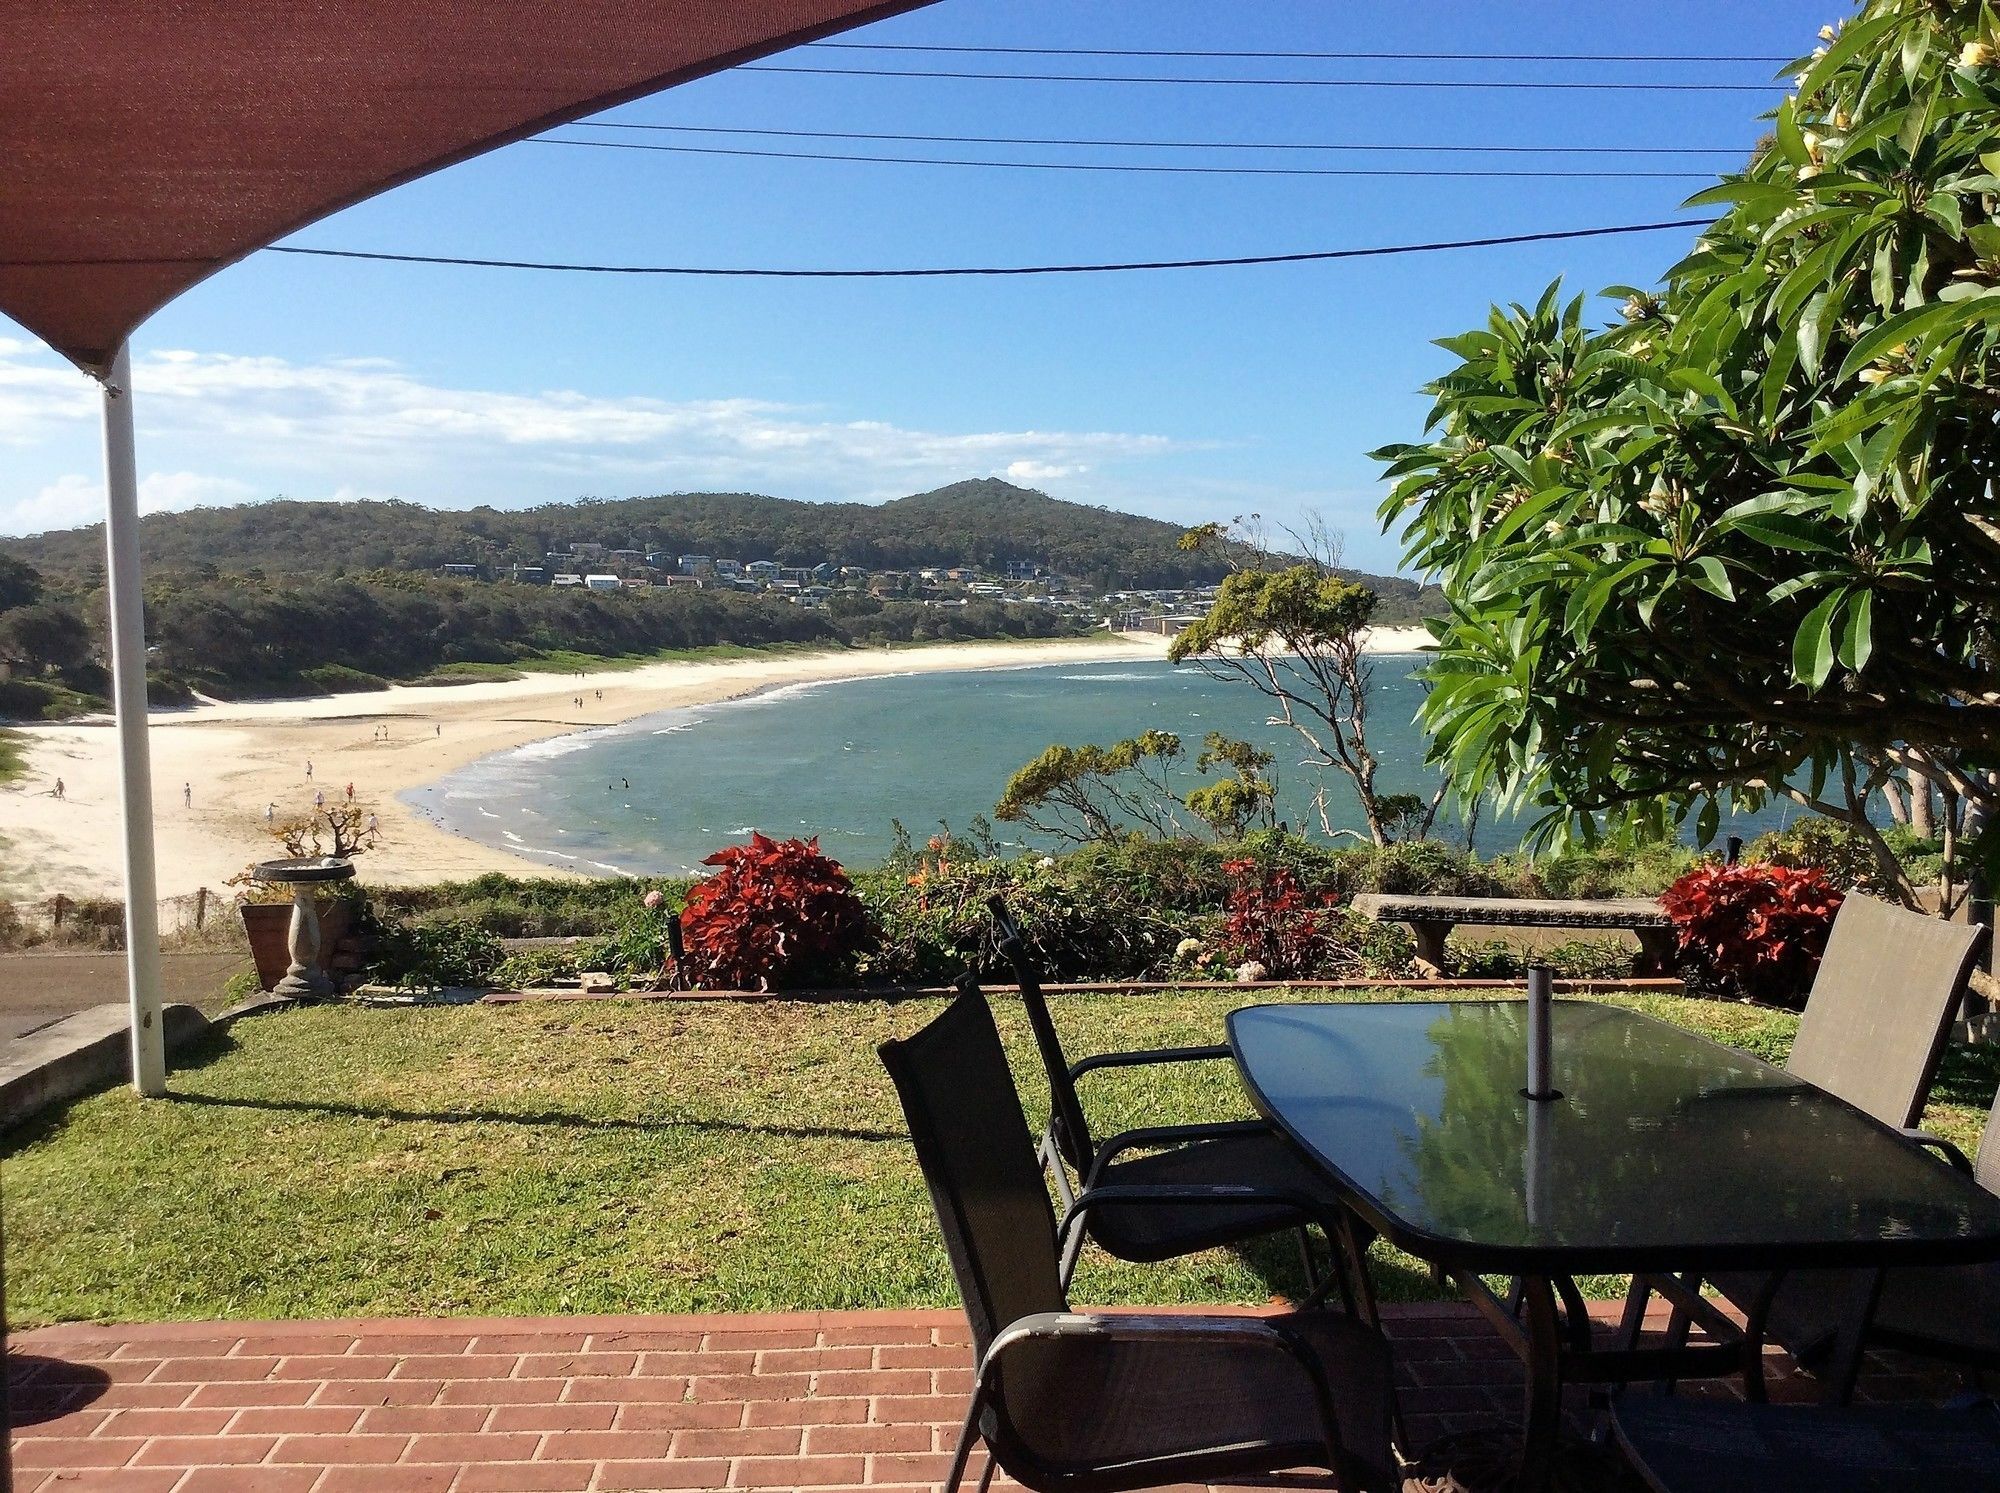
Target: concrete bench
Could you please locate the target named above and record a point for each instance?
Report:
(1430, 919)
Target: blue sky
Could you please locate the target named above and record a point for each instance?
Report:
(1187, 395)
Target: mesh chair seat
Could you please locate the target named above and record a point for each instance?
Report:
(1706, 1446)
(1148, 1233)
(1091, 1404)
(1945, 1311)
(1953, 1312)
(1874, 1029)
(1108, 1409)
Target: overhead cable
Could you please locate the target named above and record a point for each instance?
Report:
(1666, 57)
(1226, 262)
(1127, 167)
(1735, 152)
(1489, 83)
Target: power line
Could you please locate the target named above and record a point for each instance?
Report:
(864, 46)
(1313, 256)
(1731, 152)
(1127, 168)
(1500, 83)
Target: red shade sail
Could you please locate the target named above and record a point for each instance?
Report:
(143, 146)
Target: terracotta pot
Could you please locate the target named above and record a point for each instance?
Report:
(269, 925)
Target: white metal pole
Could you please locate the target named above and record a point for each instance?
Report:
(128, 694)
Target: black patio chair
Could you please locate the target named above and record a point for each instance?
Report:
(1072, 1403)
(1874, 1030)
(1720, 1446)
(1948, 1312)
(1278, 1190)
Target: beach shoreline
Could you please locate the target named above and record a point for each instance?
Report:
(217, 766)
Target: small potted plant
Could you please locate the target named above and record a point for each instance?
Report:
(331, 832)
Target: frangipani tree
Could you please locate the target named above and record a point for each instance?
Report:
(1748, 541)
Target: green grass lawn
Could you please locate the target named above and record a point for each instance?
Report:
(613, 1157)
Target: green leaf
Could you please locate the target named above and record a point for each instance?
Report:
(1857, 635)
(1812, 648)
(1935, 318)
(1788, 532)
(1707, 824)
(1812, 331)
(1854, 37)
(1700, 381)
(1712, 576)
(1791, 143)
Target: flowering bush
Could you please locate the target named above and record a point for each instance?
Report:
(775, 913)
(1759, 927)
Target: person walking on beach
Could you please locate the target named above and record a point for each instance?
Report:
(61, 791)
(350, 792)
(309, 767)
(371, 824)
(319, 798)
(187, 795)
(440, 729)
(270, 815)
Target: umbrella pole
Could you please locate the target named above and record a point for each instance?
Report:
(128, 693)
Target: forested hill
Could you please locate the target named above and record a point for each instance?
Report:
(986, 523)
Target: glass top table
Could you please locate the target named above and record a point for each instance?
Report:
(1666, 1151)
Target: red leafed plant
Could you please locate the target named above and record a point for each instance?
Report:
(775, 913)
(1759, 927)
(1275, 921)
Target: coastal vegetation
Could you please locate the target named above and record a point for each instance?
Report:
(1169, 909)
(1105, 794)
(243, 636)
(1297, 637)
(985, 523)
(605, 1157)
(299, 598)
(1739, 546)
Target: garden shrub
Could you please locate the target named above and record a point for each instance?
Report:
(776, 913)
(432, 955)
(1758, 928)
(1274, 921)
(1424, 868)
(1844, 854)
(1612, 869)
(1574, 959)
(527, 969)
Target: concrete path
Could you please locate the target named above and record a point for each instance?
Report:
(38, 987)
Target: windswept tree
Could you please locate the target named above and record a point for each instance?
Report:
(1296, 635)
(1745, 543)
(1110, 793)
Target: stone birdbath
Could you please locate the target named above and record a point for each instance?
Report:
(307, 978)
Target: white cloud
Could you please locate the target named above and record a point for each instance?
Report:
(362, 425)
(74, 499)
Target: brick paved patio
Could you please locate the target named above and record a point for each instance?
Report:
(860, 1400)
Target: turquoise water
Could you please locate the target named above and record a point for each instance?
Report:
(840, 760)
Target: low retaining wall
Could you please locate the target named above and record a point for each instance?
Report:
(1633, 986)
(91, 1049)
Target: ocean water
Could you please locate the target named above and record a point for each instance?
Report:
(842, 759)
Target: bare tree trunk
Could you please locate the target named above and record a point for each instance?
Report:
(1922, 820)
(1899, 806)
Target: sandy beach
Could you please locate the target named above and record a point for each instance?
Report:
(235, 759)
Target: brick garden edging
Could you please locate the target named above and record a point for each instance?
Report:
(894, 993)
